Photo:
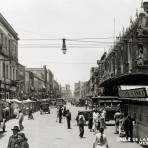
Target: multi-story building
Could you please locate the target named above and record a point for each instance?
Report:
(78, 90)
(42, 84)
(66, 92)
(127, 62)
(50, 81)
(20, 81)
(8, 59)
(56, 89)
(94, 81)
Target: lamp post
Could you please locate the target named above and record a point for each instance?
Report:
(64, 46)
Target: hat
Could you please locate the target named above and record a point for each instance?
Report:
(23, 136)
(15, 128)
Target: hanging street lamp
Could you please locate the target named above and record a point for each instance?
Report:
(64, 46)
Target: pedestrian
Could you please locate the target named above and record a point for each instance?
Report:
(68, 117)
(77, 117)
(117, 118)
(16, 112)
(81, 125)
(95, 119)
(21, 118)
(121, 125)
(98, 121)
(57, 114)
(103, 115)
(64, 111)
(128, 128)
(30, 116)
(13, 139)
(90, 121)
(60, 114)
(101, 140)
(23, 140)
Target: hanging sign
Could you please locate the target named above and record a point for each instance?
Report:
(133, 93)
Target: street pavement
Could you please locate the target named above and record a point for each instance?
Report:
(45, 132)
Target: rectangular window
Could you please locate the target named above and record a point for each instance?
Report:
(13, 73)
(7, 72)
(10, 72)
(3, 69)
(5, 42)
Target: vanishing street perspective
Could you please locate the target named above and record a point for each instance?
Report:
(74, 74)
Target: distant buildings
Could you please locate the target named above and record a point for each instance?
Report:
(66, 92)
(81, 90)
(17, 81)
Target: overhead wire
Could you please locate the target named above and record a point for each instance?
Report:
(82, 43)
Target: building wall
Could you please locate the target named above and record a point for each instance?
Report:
(8, 57)
(141, 112)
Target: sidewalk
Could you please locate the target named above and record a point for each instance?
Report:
(115, 142)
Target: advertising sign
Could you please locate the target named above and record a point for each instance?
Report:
(133, 93)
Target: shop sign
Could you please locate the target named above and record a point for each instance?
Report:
(133, 93)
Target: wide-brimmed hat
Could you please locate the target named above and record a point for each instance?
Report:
(23, 136)
(15, 128)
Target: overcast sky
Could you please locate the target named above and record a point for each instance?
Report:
(70, 19)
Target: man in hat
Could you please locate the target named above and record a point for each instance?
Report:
(68, 117)
(13, 140)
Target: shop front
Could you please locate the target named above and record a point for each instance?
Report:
(135, 103)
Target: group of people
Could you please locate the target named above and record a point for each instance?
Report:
(63, 112)
(124, 125)
(96, 120)
(101, 139)
(18, 139)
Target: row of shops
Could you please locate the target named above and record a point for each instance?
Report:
(10, 107)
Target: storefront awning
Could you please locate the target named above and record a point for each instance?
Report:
(16, 100)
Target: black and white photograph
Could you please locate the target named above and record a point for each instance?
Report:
(74, 74)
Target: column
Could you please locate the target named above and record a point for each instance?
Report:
(129, 57)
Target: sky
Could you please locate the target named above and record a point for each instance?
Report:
(74, 20)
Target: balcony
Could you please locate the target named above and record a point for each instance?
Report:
(107, 76)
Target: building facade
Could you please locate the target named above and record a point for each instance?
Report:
(79, 90)
(127, 62)
(8, 59)
(66, 92)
